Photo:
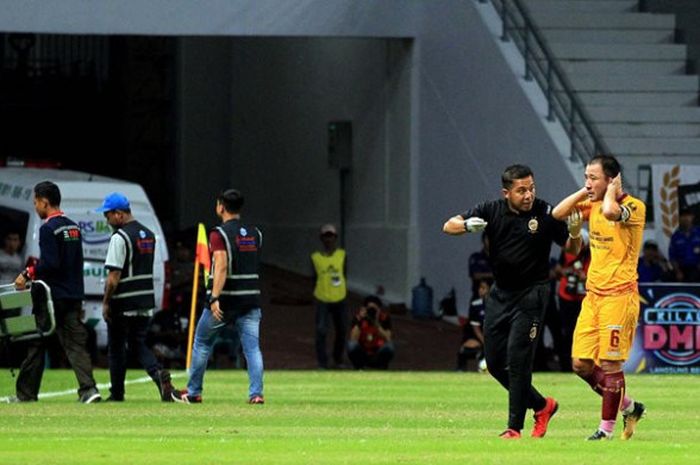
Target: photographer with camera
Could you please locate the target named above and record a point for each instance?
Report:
(370, 342)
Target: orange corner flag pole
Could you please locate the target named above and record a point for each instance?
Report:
(193, 307)
(201, 257)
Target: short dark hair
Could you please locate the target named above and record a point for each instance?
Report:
(514, 172)
(610, 165)
(49, 191)
(372, 299)
(231, 199)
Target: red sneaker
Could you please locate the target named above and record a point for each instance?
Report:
(510, 434)
(256, 400)
(543, 416)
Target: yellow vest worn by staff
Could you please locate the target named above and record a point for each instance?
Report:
(330, 276)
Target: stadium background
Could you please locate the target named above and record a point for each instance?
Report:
(186, 99)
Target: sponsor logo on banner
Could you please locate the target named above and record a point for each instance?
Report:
(669, 329)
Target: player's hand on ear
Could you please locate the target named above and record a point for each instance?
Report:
(616, 184)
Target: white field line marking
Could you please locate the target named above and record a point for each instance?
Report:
(101, 386)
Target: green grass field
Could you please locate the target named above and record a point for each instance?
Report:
(345, 417)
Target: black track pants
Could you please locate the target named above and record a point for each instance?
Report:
(512, 328)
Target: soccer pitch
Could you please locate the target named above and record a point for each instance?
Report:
(343, 417)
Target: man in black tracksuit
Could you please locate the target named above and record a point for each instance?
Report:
(61, 268)
(129, 298)
(521, 230)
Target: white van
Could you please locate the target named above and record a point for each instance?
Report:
(81, 194)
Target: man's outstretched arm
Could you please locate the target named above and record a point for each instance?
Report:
(458, 225)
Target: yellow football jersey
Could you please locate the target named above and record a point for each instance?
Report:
(615, 245)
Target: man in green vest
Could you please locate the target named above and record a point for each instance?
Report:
(330, 292)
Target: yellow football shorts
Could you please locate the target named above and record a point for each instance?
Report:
(605, 327)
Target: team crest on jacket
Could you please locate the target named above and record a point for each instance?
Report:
(533, 331)
(532, 225)
(243, 232)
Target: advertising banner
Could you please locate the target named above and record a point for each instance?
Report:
(668, 334)
(675, 187)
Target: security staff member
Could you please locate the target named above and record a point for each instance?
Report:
(330, 292)
(235, 298)
(61, 267)
(520, 230)
(129, 298)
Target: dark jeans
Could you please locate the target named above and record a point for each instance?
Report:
(512, 328)
(131, 331)
(72, 335)
(336, 312)
(360, 358)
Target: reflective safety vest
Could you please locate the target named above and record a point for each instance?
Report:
(135, 289)
(330, 276)
(241, 290)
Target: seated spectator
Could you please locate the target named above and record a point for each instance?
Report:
(653, 266)
(10, 260)
(684, 250)
(370, 343)
(472, 332)
(480, 266)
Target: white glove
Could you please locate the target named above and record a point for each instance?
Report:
(474, 224)
(574, 222)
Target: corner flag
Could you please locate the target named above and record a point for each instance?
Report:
(202, 252)
(201, 258)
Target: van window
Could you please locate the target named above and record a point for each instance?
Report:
(11, 261)
(12, 220)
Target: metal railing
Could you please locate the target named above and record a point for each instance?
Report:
(542, 66)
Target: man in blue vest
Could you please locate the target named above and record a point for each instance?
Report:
(129, 298)
(234, 298)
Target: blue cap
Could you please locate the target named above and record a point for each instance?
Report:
(114, 201)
